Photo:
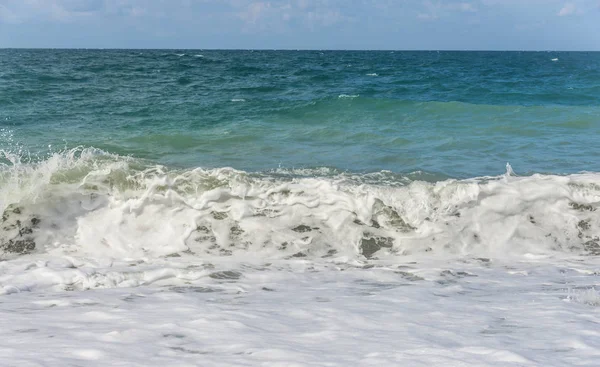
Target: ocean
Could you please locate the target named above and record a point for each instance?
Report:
(299, 208)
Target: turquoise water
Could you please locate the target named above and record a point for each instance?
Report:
(448, 114)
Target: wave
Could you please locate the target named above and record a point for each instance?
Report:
(385, 110)
(86, 202)
(442, 107)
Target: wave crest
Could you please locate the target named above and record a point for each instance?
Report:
(90, 203)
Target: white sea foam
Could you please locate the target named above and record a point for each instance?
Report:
(99, 205)
(341, 96)
(589, 296)
(238, 100)
(555, 59)
(224, 267)
(372, 74)
(302, 315)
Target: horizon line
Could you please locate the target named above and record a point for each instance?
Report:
(287, 49)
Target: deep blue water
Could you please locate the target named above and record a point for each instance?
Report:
(451, 114)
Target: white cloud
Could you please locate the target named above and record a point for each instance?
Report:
(255, 11)
(440, 9)
(276, 14)
(432, 11)
(567, 9)
(325, 18)
(575, 8)
(465, 7)
(20, 11)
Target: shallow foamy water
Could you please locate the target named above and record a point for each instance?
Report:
(470, 312)
(108, 260)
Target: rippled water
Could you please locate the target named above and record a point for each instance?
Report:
(457, 114)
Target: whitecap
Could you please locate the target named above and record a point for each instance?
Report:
(341, 96)
(238, 100)
(555, 59)
(199, 55)
(372, 74)
(156, 205)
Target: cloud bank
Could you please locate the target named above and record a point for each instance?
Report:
(394, 24)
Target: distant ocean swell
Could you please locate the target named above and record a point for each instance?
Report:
(92, 204)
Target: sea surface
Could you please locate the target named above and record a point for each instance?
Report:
(299, 208)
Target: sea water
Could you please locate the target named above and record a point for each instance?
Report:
(299, 208)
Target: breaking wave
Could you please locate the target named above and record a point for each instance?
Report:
(85, 202)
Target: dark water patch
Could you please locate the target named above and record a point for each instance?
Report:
(330, 253)
(219, 215)
(304, 228)
(409, 276)
(195, 289)
(174, 335)
(389, 217)
(592, 247)
(18, 227)
(45, 78)
(259, 89)
(370, 244)
(582, 207)
(452, 277)
(226, 275)
(584, 225)
(184, 81)
(133, 297)
(374, 286)
(188, 351)
(456, 274)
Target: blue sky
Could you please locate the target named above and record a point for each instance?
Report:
(303, 24)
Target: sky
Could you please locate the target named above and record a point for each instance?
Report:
(303, 24)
